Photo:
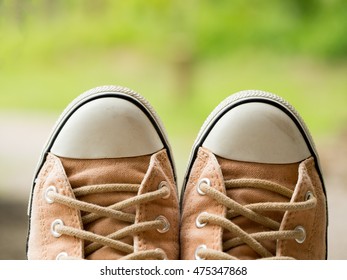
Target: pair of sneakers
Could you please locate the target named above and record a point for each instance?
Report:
(105, 186)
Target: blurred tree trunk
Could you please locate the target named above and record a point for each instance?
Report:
(51, 8)
(183, 69)
(183, 47)
(20, 7)
(95, 7)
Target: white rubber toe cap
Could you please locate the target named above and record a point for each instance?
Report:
(257, 132)
(107, 127)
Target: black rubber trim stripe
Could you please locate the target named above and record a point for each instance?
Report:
(253, 100)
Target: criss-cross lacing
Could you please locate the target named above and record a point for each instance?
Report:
(252, 212)
(113, 211)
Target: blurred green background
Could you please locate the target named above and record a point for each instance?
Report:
(184, 56)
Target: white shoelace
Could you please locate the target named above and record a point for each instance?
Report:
(252, 212)
(115, 212)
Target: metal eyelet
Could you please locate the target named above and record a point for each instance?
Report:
(163, 184)
(308, 195)
(61, 256)
(197, 250)
(197, 221)
(303, 231)
(54, 224)
(166, 224)
(203, 180)
(47, 191)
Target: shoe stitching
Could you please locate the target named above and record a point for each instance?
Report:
(161, 161)
(42, 214)
(215, 180)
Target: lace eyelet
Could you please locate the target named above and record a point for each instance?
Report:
(54, 224)
(163, 184)
(48, 190)
(197, 221)
(303, 231)
(197, 250)
(308, 195)
(166, 224)
(203, 180)
(61, 256)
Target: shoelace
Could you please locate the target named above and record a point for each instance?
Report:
(112, 211)
(250, 211)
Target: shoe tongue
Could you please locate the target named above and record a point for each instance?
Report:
(84, 172)
(283, 174)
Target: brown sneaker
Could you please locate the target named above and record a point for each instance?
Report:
(105, 185)
(254, 188)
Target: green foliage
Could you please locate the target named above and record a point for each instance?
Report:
(311, 27)
(183, 55)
